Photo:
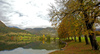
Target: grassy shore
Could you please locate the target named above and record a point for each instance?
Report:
(78, 48)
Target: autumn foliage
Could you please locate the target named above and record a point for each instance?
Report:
(76, 18)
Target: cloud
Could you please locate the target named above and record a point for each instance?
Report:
(25, 13)
(28, 22)
(2, 2)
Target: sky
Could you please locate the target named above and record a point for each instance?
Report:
(25, 13)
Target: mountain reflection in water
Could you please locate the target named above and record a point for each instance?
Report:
(26, 51)
(37, 47)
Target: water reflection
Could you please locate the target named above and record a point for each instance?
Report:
(43, 45)
(43, 41)
(27, 43)
(26, 51)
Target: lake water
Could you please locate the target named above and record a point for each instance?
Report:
(21, 50)
(37, 47)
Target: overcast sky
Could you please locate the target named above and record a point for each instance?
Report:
(25, 13)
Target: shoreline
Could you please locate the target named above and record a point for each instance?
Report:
(62, 49)
(77, 48)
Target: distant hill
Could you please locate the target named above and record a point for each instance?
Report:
(5, 29)
(13, 27)
(40, 31)
(97, 29)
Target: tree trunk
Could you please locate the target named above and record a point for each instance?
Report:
(68, 38)
(79, 38)
(93, 42)
(72, 38)
(86, 40)
(92, 37)
(75, 38)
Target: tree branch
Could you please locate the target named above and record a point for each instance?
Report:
(97, 4)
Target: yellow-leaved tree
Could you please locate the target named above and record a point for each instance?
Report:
(78, 16)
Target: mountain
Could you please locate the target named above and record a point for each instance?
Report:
(4, 29)
(13, 27)
(40, 31)
(2, 24)
(97, 29)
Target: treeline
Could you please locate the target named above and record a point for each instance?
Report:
(97, 33)
(8, 30)
(76, 18)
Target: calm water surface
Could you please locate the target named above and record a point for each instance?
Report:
(37, 47)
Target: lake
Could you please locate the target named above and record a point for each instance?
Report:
(36, 47)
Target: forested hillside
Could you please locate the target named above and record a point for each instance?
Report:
(5, 29)
(41, 31)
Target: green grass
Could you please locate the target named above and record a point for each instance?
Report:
(83, 38)
(98, 38)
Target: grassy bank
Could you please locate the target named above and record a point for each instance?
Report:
(78, 48)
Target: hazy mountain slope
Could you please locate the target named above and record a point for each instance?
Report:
(5, 29)
(98, 29)
(41, 31)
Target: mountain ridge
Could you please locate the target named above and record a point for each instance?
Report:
(40, 31)
(5, 29)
